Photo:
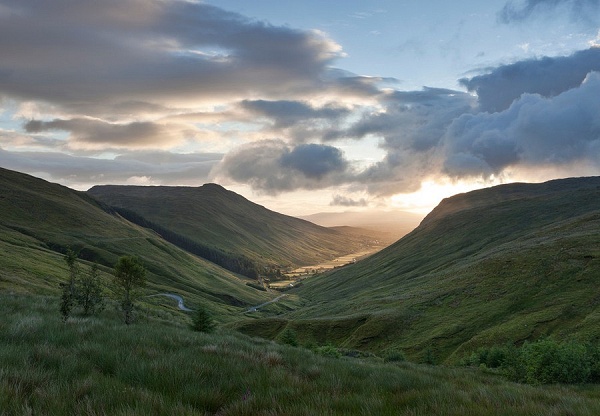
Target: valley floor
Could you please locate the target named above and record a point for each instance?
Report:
(306, 271)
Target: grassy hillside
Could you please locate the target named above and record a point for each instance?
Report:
(40, 220)
(214, 217)
(510, 263)
(98, 366)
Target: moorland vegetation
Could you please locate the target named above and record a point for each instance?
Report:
(490, 306)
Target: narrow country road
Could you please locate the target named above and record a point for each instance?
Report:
(182, 306)
(178, 298)
(255, 308)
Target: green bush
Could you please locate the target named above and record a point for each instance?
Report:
(202, 321)
(328, 351)
(542, 362)
(288, 336)
(547, 361)
(394, 356)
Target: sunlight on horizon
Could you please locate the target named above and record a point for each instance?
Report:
(432, 192)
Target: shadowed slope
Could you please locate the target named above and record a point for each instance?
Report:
(40, 220)
(214, 217)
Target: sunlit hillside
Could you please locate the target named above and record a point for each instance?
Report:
(509, 263)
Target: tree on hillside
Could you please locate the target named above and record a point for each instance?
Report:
(288, 336)
(129, 275)
(89, 292)
(69, 288)
(202, 321)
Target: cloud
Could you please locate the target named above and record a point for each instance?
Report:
(100, 134)
(287, 113)
(314, 160)
(83, 172)
(411, 119)
(411, 125)
(533, 131)
(581, 10)
(90, 57)
(340, 200)
(360, 86)
(273, 166)
(546, 76)
(135, 78)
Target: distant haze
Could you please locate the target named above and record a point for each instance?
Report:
(392, 224)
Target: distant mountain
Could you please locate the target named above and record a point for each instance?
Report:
(392, 225)
(40, 220)
(510, 263)
(224, 226)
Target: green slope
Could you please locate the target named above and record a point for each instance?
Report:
(508, 263)
(214, 217)
(40, 220)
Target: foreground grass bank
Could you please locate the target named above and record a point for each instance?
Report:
(98, 366)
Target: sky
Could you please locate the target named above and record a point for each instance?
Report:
(302, 106)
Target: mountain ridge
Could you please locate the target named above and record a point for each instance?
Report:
(41, 220)
(212, 216)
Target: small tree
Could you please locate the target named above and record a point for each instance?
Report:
(129, 275)
(288, 336)
(202, 321)
(89, 292)
(69, 288)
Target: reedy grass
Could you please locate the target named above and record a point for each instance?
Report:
(99, 366)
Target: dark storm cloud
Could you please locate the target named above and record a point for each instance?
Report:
(314, 160)
(533, 131)
(273, 166)
(583, 10)
(409, 119)
(155, 167)
(89, 56)
(546, 76)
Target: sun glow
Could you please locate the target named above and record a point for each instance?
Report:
(432, 192)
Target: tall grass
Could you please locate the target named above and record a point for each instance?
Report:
(98, 366)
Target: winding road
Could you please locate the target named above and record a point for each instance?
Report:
(182, 306)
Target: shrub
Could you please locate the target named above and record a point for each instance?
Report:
(202, 321)
(542, 362)
(394, 355)
(68, 294)
(328, 351)
(288, 336)
(547, 361)
(129, 274)
(429, 357)
(89, 292)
